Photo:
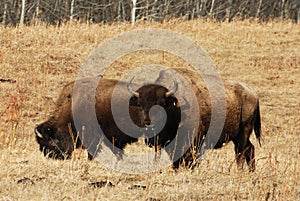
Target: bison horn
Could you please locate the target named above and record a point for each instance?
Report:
(37, 132)
(173, 91)
(134, 93)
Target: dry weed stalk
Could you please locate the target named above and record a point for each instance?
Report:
(12, 115)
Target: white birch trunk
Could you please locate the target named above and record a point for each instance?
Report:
(133, 12)
(22, 13)
(72, 10)
(37, 12)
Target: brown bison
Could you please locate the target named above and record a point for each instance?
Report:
(242, 115)
(59, 135)
(160, 129)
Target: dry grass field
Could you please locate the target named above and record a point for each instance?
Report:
(35, 62)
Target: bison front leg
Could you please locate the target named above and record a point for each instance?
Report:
(93, 149)
(117, 147)
(239, 157)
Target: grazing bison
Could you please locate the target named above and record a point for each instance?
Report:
(58, 136)
(242, 116)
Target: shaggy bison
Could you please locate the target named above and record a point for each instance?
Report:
(146, 98)
(242, 117)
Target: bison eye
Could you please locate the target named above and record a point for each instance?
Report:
(134, 101)
(50, 131)
(172, 102)
(47, 130)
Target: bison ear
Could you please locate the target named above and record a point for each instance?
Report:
(44, 130)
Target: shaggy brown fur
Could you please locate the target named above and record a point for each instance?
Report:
(242, 116)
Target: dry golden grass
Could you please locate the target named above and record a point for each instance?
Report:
(42, 59)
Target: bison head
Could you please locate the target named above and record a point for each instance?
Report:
(55, 142)
(150, 96)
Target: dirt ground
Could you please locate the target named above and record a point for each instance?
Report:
(35, 62)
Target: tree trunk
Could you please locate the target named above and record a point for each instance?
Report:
(37, 10)
(72, 10)
(153, 10)
(133, 12)
(258, 9)
(4, 13)
(197, 9)
(211, 9)
(282, 14)
(22, 13)
(119, 14)
(147, 10)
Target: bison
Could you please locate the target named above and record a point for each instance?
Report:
(242, 117)
(145, 99)
(59, 136)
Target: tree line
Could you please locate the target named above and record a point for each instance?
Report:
(55, 12)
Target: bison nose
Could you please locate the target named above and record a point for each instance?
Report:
(146, 119)
(147, 122)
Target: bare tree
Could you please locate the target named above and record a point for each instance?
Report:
(72, 9)
(133, 12)
(4, 13)
(211, 9)
(22, 13)
(37, 11)
(258, 9)
(119, 16)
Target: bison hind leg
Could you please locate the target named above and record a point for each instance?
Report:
(245, 153)
(249, 155)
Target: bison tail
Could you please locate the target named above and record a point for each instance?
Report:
(257, 123)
